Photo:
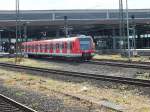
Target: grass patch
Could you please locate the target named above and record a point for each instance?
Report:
(20, 93)
(122, 58)
(29, 62)
(144, 109)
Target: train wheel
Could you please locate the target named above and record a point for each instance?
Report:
(30, 56)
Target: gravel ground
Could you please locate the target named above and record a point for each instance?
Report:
(97, 69)
(52, 103)
(132, 97)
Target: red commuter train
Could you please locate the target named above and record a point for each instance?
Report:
(80, 47)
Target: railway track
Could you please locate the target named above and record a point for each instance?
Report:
(130, 81)
(144, 65)
(126, 64)
(9, 105)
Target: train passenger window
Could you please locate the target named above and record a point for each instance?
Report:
(36, 47)
(22, 47)
(46, 46)
(43, 46)
(70, 45)
(60, 46)
(32, 47)
(40, 46)
(51, 46)
(57, 46)
(63, 46)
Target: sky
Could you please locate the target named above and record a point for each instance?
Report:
(72, 4)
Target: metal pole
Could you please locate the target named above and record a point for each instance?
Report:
(66, 26)
(1, 41)
(127, 16)
(16, 51)
(17, 13)
(25, 32)
(134, 32)
(121, 24)
(25, 35)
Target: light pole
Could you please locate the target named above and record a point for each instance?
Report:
(18, 29)
(1, 40)
(121, 25)
(127, 17)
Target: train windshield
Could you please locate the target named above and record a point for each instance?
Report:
(85, 43)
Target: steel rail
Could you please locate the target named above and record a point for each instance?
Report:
(130, 81)
(145, 66)
(123, 61)
(16, 104)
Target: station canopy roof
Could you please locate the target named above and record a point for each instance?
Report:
(76, 19)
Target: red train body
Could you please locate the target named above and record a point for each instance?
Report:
(80, 47)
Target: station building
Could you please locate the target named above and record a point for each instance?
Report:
(102, 25)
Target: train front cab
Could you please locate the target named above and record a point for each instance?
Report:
(86, 47)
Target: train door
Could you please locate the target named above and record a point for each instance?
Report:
(41, 48)
(38, 48)
(64, 48)
(46, 48)
(60, 47)
(25, 47)
(57, 47)
(71, 47)
(68, 47)
(29, 48)
(54, 47)
(51, 47)
(22, 47)
(33, 48)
